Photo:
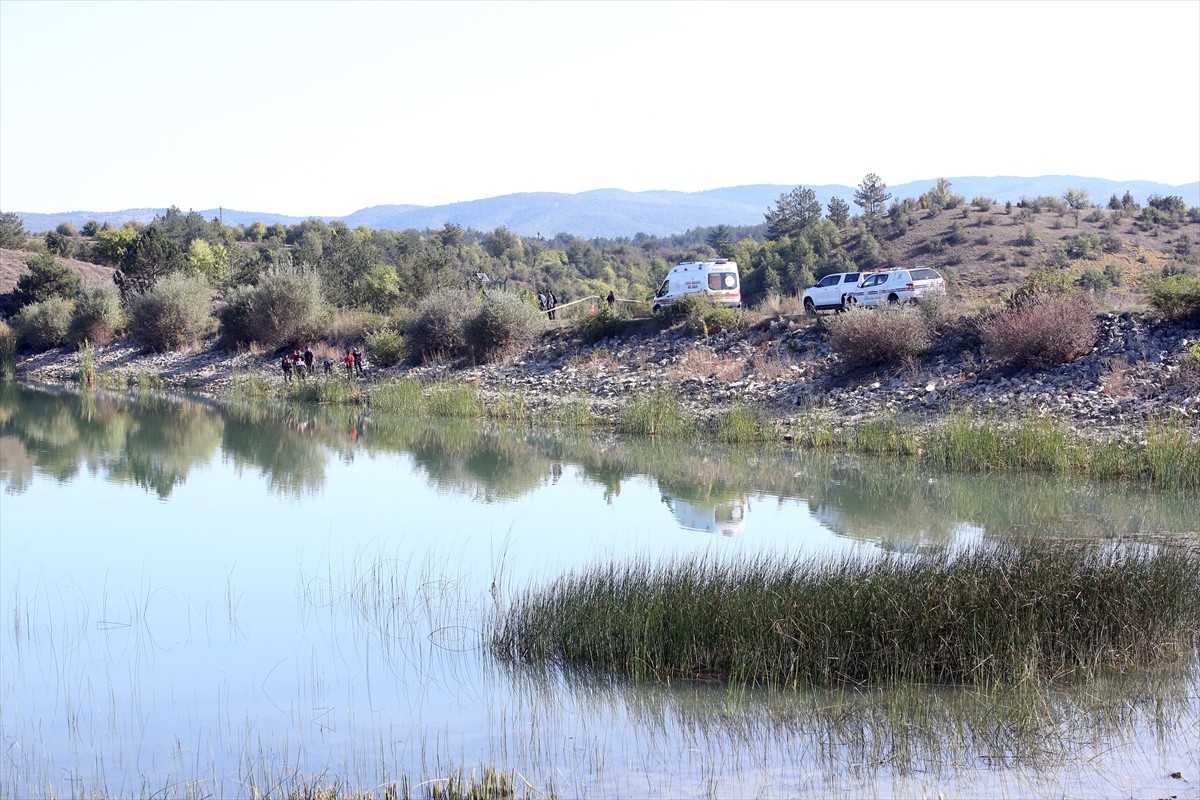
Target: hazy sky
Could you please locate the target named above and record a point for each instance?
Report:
(310, 108)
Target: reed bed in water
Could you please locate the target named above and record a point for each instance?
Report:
(985, 615)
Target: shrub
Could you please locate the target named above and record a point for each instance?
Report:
(1043, 330)
(386, 347)
(175, 312)
(876, 337)
(436, 329)
(285, 306)
(1174, 296)
(12, 230)
(1028, 238)
(46, 278)
(43, 325)
(97, 316)
(1093, 280)
(699, 315)
(501, 323)
(600, 325)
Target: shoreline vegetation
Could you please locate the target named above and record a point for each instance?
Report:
(991, 615)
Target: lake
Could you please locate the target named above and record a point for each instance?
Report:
(229, 601)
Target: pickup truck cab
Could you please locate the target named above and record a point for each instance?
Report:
(896, 285)
(830, 292)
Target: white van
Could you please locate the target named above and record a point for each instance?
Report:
(718, 280)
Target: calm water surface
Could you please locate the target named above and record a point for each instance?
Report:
(204, 601)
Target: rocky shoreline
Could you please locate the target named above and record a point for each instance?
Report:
(1134, 376)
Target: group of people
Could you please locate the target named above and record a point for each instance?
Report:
(547, 302)
(298, 363)
(301, 364)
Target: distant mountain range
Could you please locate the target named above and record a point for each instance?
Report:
(614, 213)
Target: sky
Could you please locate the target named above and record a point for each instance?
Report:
(321, 109)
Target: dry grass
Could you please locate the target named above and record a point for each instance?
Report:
(598, 362)
(772, 365)
(776, 305)
(700, 362)
(1114, 377)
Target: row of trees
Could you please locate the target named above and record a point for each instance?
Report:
(392, 272)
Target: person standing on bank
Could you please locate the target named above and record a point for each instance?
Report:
(358, 361)
(308, 359)
(551, 302)
(612, 300)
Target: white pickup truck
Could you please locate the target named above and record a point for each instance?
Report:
(830, 292)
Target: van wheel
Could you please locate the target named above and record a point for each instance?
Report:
(809, 308)
(657, 310)
(893, 298)
(849, 301)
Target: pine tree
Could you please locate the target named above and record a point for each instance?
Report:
(872, 193)
(794, 213)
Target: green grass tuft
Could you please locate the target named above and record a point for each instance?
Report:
(989, 615)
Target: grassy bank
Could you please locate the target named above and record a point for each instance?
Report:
(988, 615)
(1168, 455)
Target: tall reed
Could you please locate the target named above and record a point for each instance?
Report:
(656, 414)
(988, 614)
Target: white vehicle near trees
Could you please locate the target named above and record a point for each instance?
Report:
(830, 292)
(717, 280)
(896, 286)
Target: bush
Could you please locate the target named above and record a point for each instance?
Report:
(700, 316)
(43, 325)
(889, 334)
(1174, 296)
(12, 230)
(46, 278)
(285, 306)
(1039, 282)
(385, 346)
(1042, 331)
(97, 316)
(436, 329)
(176, 311)
(502, 322)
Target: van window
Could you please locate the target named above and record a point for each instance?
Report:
(828, 280)
(851, 277)
(923, 274)
(662, 290)
(718, 281)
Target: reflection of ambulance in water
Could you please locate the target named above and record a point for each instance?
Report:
(718, 280)
(727, 518)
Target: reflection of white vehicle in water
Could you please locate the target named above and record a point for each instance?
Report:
(726, 518)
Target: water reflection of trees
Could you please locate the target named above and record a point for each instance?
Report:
(155, 442)
(288, 447)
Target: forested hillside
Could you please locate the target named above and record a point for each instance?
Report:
(984, 248)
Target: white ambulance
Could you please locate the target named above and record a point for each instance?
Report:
(718, 280)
